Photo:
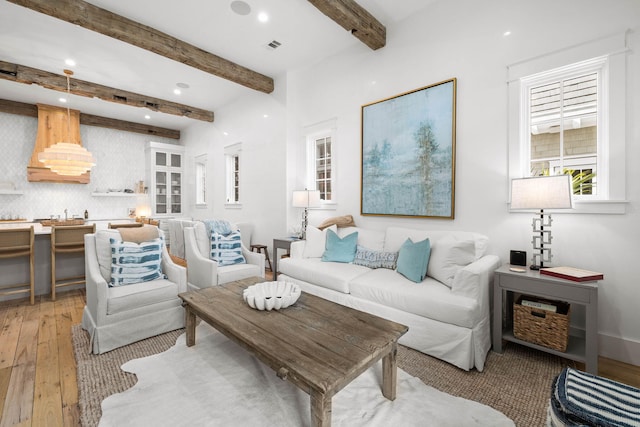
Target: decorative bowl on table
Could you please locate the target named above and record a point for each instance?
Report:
(271, 295)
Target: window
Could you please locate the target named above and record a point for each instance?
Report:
(323, 167)
(321, 164)
(567, 114)
(201, 180)
(563, 114)
(232, 158)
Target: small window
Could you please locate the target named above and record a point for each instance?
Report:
(323, 176)
(567, 115)
(563, 117)
(321, 162)
(201, 180)
(232, 157)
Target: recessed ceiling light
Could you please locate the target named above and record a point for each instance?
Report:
(147, 116)
(70, 62)
(265, 116)
(240, 7)
(506, 33)
(263, 17)
(177, 91)
(182, 85)
(63, 100)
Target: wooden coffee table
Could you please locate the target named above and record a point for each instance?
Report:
(316, 344)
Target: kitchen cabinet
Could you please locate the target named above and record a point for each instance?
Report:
(165, 172)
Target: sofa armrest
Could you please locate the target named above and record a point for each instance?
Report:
(254, 258)
(175, 273)
(475, 280)
(201, 272)
(297, 249)
(96, 286)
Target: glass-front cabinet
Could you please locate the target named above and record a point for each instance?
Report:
(165, 174)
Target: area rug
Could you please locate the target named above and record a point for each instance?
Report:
(517, 382)
(218, 383)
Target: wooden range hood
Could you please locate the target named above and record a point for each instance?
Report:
(52, 128)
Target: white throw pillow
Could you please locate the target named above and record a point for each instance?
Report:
(315, 241)
(448, 256)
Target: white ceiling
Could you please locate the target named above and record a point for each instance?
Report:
(36, 40)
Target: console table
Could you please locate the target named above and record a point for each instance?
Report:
(531, 282)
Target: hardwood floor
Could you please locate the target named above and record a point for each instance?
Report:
(37, 368)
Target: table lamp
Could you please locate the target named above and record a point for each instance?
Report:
(540, 193)
(306, 199)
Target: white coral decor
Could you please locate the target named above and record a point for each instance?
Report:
(271, 295)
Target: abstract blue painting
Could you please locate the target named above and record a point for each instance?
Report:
(408, 153)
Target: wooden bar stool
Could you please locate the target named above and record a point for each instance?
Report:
(67, 240)
(18, 242)
(260, 249)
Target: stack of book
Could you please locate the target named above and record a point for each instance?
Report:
(571, 273)
(548, 306)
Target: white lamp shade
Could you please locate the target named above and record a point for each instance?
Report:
(541, 192)
(306, 199)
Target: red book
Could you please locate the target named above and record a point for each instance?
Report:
(571, 273)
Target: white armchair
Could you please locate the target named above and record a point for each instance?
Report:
(203, 272)
(117, 316)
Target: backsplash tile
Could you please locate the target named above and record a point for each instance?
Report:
(120, 164)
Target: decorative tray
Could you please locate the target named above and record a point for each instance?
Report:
(271, 295)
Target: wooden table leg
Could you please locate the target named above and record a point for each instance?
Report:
(390, 373)
(190, 321)
(320, 410)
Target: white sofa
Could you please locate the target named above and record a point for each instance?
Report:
(116, 316)
(204, 272)
(447, 318)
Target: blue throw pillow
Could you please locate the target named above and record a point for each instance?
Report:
(134, 263)
(340, 250)
(227, 249)
(413, 259)
(375, 259)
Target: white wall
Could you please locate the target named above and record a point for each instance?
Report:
(464, 39)
(262, 163)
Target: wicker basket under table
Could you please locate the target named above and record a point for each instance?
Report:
(542, 327)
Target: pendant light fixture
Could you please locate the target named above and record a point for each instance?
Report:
(66, 157)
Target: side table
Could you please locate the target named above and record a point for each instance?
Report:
(506, 282)
(282, 243)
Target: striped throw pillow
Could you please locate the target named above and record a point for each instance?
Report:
(227, 249)
(135, 262)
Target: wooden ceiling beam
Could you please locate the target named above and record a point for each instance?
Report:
(30, 110)
(102, 21)
(355, 19)
(27, 75)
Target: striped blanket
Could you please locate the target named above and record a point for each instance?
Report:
(582, 399)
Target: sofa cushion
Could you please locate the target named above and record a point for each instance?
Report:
(226, 249)
(396, 236)
(230, 273)
(428, 298)
(413, 259)
(340, 249)
(449, 255)
(315, 241)
(135, 262)
(124, 298)
(203, 238)
(372, 239)
(375, 259)
(330, 275)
